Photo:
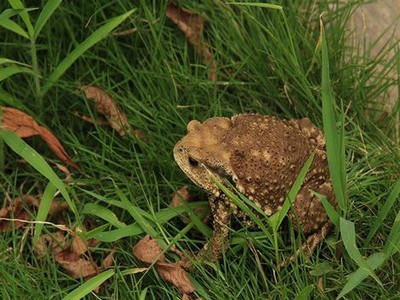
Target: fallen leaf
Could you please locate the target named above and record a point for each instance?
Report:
(74, 257)
(320, 285)
(192, 26)
(175, 274)
(50, 244)
(78, 245)
(109, 260)
(106, 106)
(148, 251)
(67, 173)
(57, 207)
(183, 195)
(25, 126)
(75, 265)
(15, 211)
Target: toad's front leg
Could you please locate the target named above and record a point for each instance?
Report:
(220, 211)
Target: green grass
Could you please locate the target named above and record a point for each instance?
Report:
(269, 61)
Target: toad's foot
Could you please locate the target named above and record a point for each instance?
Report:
(310, 245)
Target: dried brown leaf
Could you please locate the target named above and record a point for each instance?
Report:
(89, 119)
(25, 126)
(181, 195)
(148, 251)
(71, 256)
(109, 260)
(175, 274)
(15, 211)
(320, 285)
(57, 207)
(192, 27)
(50, 244)
(106, 106)
(75, 265)
(67, 173)
(78, 245)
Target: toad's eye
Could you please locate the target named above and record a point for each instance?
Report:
(193, 162)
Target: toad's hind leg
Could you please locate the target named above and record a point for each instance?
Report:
(311, 244)
(213, 250)
(310, 216)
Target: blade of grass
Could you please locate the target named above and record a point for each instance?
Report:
(45, 15)
(336, 158)
(14, 27)
(242, 205)
(6, 98)
(17, 4)
(305, 293)
(115, 235)
(37, 162)
(94, 38)
(9, 12)
(384, 211)
(261, 5)
(330, 210)
(89, 286)
(348, 233)
(4, 60)
(393, 241)
(2, 157)
(277, 221)
(44, 207)
(137, 216)
(12, 70)
(161, 217)
(355, 278)
(103, 213)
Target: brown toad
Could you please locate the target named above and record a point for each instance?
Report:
(262, 156)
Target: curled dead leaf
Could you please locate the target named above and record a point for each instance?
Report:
(67, 173)
(74, 257)
(183, 195)
(175, 274)
(109, 260)
(25, 126)
(148, 251)
(50, 244)
(320, 285)
(106, 106)
(15, 211)
(57, 207)
(75, 265)
(192, 27)
(78, 245)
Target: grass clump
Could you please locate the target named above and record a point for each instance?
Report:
(268, 61)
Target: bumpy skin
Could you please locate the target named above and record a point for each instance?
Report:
(262, 156)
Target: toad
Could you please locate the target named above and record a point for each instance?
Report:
(262, 156)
